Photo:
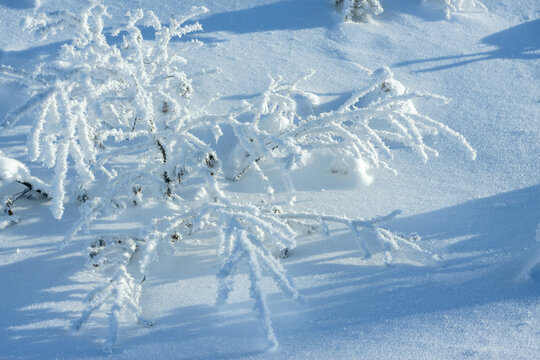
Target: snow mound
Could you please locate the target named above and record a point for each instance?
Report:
(12, 170)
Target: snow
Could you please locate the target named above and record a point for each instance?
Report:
(479, 297)
(12, 170)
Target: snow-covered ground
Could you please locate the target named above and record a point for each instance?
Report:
(479, 300)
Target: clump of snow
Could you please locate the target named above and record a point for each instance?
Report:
(6, 221)
(12, 170)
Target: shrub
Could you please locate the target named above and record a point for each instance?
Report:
(450, 7)
(359, 10)
(114, 123)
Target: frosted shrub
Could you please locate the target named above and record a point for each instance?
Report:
(450, 7)
(115, 125)
(358, 130)
(359, 10)
(97, 94)
(71, 118)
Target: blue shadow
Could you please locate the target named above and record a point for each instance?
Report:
(283, 15)
(518, 42)
(18, 4)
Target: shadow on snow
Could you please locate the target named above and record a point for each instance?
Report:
(18, 4)
(282, 15)
(483, 244)
(518, 42)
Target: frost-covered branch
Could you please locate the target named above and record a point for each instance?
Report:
(450, 7)
(245, 234)
(370, 236)
(357, 134)
(97, 95)
(120, 292)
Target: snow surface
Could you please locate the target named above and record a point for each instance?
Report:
(481, 300)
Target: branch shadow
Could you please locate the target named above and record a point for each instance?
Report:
(201, 332)
(18, 4)
(518, 42)
(24, 59)
(482, 244)
(36, 309)
(283, 15)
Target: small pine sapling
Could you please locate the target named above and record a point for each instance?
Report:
(359, 10)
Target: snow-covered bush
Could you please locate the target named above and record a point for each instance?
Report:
(450, 7)
(358, 131)
(96, 93)
(359, 10)
(115, 124)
